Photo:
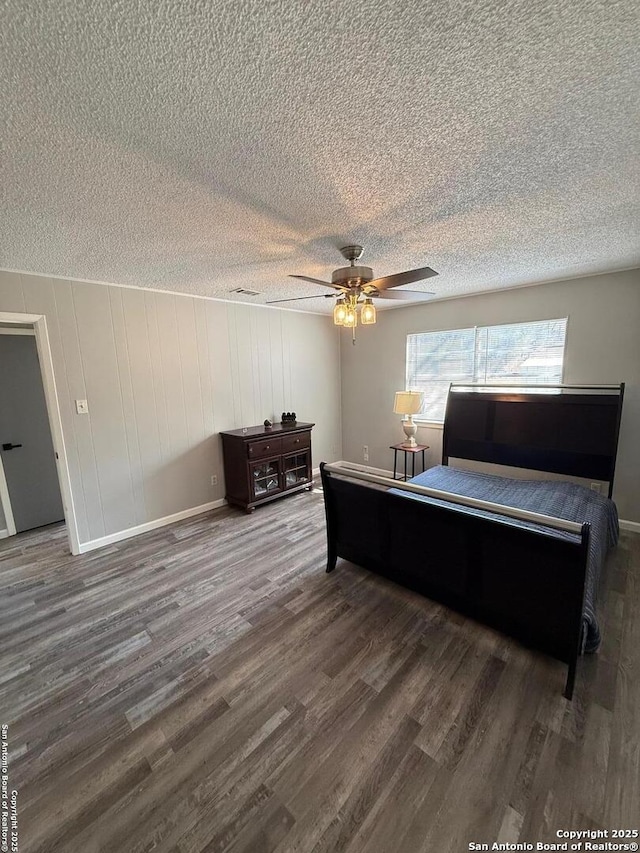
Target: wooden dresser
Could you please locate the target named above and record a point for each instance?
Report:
(261, 464)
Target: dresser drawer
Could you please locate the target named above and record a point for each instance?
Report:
(264, 447)
(297, 441)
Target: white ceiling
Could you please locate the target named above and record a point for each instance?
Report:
(200, 146)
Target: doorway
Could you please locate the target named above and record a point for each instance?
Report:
(35, 484)
(26, 446)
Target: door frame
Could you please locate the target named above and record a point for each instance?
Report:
(39, 323)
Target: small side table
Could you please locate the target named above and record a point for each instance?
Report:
(411, 451)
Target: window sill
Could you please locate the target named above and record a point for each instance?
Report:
(428, 424)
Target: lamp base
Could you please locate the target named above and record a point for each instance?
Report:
(410, 430)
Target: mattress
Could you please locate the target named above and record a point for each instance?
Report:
(558, 499)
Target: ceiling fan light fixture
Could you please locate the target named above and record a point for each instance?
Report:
(340, 312)
(357, 288)
(368, 312)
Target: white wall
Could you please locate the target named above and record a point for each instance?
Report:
(163, 374)
(603, 346)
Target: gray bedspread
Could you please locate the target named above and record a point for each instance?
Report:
(557, 499)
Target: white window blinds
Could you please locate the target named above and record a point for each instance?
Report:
(526, 353)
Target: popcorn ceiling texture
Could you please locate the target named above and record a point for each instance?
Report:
(201, 146)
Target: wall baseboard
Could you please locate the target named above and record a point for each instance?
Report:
(633, 526)
(130, 532)
(4, 533)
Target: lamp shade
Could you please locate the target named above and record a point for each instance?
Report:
(408, 402)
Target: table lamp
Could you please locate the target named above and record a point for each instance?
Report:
(408, 403)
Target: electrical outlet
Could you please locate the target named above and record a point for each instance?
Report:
(595, 487)
(365, 452)
(214, 480)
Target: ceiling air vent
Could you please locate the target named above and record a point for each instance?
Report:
(245, 291)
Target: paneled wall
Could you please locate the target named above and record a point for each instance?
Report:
(603, 346)
(163, 374)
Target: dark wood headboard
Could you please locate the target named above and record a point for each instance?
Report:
(567, 429)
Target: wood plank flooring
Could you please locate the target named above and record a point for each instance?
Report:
(208, 688)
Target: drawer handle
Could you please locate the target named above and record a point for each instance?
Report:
(297, 441)
(266, 447)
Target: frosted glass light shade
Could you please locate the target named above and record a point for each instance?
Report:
(350, 317)
(339, 312)
(368, 312)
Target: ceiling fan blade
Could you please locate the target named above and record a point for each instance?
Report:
(297, 298)
(406, 295)
(316, 281)
(399, 278)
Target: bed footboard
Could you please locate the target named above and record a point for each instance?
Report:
(526, 582)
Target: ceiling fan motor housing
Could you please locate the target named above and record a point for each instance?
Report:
(345, 274)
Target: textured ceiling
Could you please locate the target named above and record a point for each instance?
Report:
(201, 146)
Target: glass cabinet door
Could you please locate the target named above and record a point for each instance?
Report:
(296, 469)
(265, 478)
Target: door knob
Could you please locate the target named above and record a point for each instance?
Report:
(10, 446)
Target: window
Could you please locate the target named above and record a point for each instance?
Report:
(525, 353)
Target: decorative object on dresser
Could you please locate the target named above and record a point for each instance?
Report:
(408, 403)
(264, 463)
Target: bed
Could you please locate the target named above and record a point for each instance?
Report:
(522, 555)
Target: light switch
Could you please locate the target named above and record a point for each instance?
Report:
(82, 407)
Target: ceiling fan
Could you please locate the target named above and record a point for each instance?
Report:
(356, 288)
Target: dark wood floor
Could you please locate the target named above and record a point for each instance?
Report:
(207, 687)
